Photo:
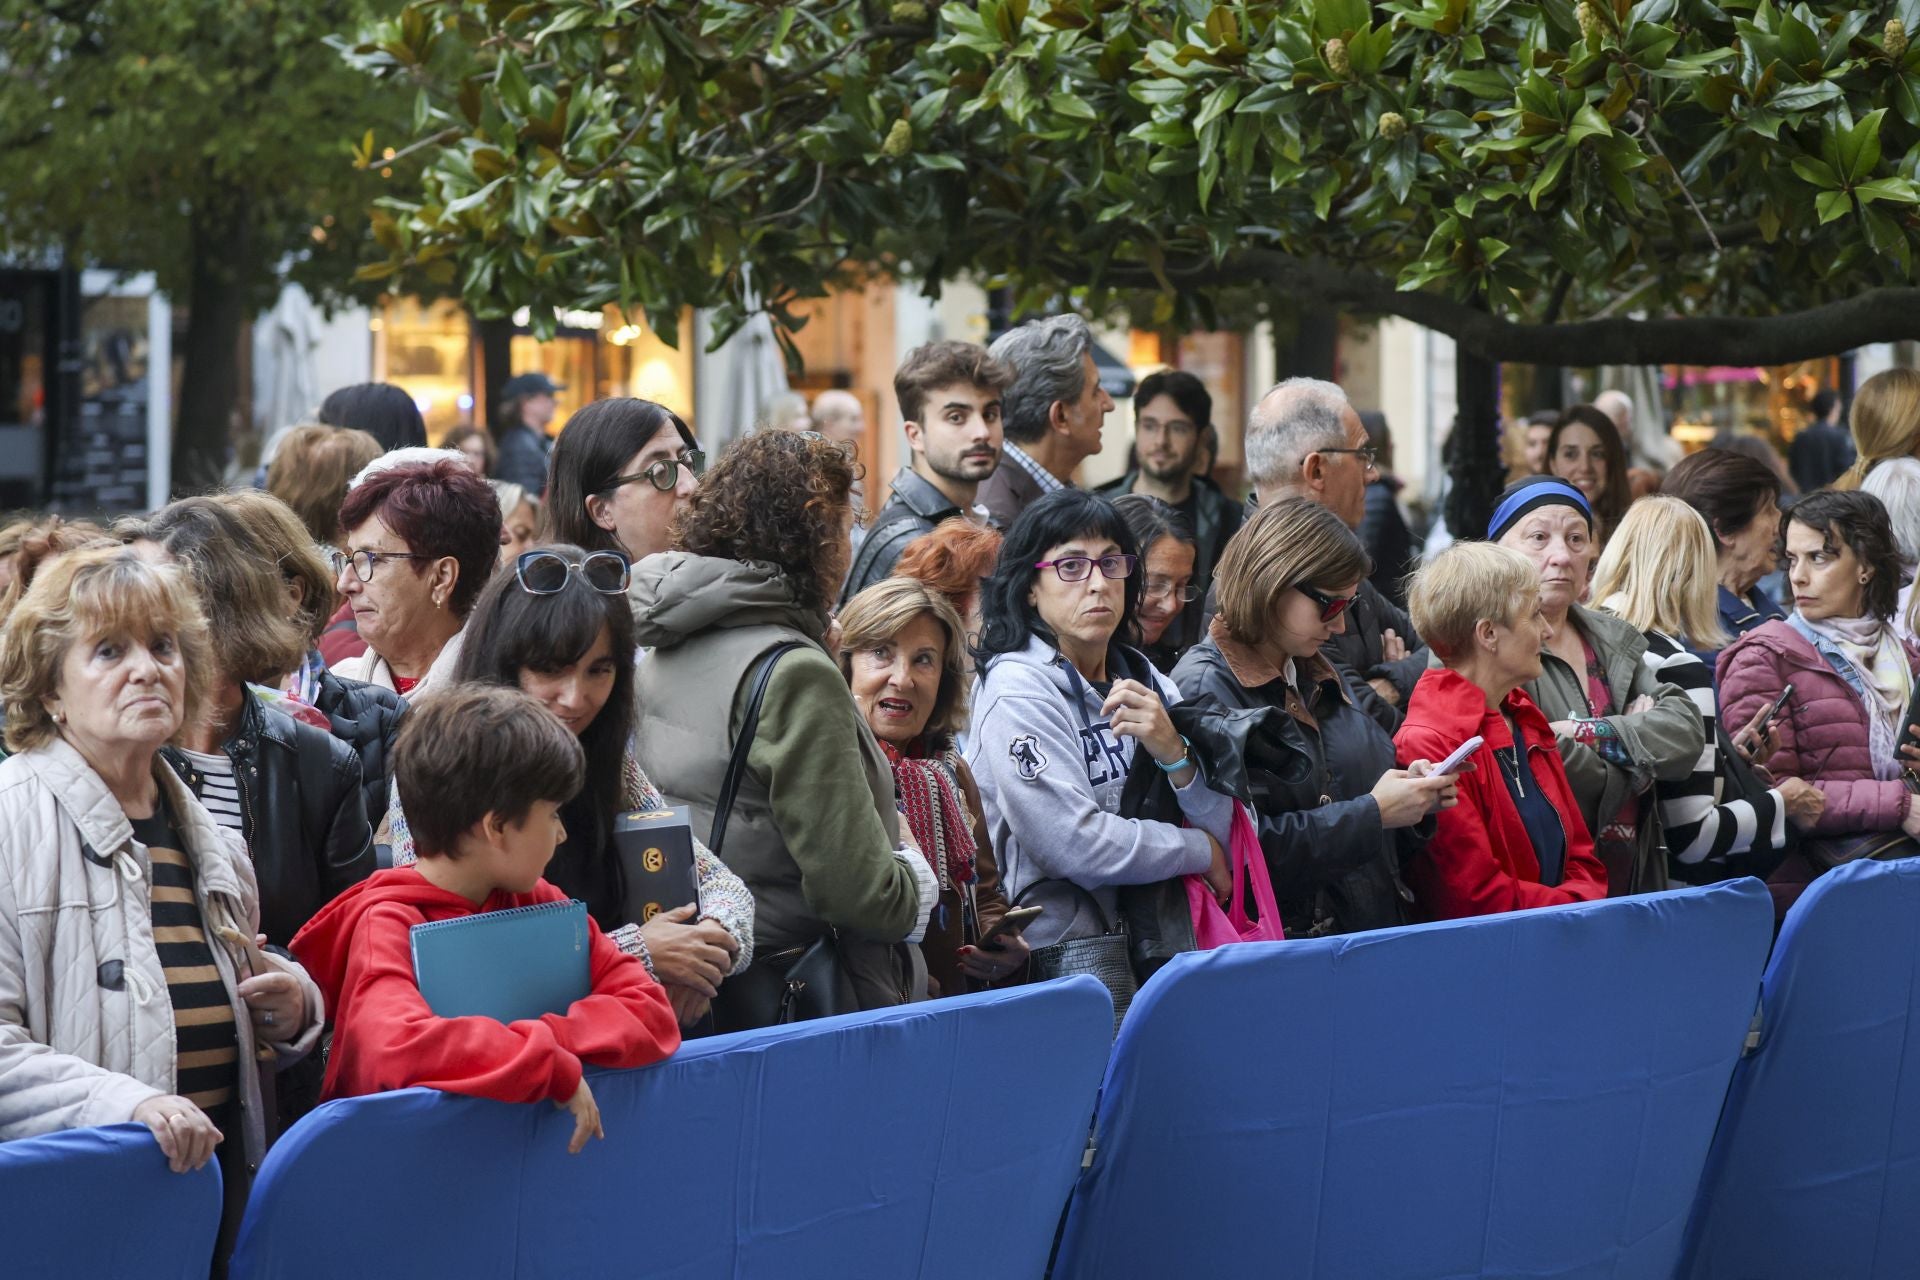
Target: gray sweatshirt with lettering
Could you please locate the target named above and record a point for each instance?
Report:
(1051, 772)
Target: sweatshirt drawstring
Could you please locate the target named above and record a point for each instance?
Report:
(129, 869)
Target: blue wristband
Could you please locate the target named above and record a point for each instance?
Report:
(1186, 758)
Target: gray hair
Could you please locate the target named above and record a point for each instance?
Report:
(1896, 482)
(1045, 357)
(1292, 420)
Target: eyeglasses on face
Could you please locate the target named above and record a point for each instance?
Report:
(1158, 588)
(1331, 607)
(544, 573)
(664, 475)
(1080, 568)
(1368, 455)
(365, 562)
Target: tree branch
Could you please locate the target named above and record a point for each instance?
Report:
(1876, 315)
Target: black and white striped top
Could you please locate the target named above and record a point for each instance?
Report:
(218, 790)
(1700, 829)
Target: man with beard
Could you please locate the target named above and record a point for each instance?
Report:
(1172, 419)
(949, 394)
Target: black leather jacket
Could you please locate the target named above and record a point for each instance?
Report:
(1334, 868)
(302, 813)
(366, 718)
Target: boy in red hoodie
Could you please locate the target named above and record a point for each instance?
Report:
(482, 772)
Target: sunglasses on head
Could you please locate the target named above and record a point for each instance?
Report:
(544, 573)
(1331, 607)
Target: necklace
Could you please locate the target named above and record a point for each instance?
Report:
(1509, 758)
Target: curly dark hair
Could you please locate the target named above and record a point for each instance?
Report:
(1855, 519)
(774, 497)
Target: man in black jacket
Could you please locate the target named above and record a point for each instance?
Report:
(949, 394)
(1305, 439)
(527, 406)
(1172, 416)
(1823, 449)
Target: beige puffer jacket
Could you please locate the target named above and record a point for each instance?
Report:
(86, 1026)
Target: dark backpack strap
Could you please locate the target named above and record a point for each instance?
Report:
(742, 745)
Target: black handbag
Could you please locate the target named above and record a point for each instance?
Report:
(800, 983)
(1105, 956)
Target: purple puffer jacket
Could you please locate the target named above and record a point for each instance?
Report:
(1823, 727)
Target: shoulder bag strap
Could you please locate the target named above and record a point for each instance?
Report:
(742, 745)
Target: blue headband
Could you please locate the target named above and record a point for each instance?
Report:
(1543, 491)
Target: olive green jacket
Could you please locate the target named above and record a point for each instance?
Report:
(1663, 743)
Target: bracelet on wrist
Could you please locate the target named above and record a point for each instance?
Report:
(1186, 758)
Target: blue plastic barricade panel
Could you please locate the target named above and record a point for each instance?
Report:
(934, 1140)
(1527, 1095)
(102, 1202)
(1815, 1171)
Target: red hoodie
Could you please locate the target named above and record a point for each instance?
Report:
(385, 1037)
(1480, 860)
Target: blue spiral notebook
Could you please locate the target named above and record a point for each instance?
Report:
(507, 965)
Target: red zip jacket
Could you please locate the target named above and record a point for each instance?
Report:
(1480, 860)
(385, 1036)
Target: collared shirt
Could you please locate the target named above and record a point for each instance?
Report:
(1011, 452)
(1737, 617)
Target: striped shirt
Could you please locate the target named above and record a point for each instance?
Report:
(206, 1041)
(216, 787)
(1700, 829)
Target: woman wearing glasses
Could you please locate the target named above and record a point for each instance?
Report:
(1061, 707)
(421, 539)
(1516, 839)
(1335, 841)
(1167, 557)
(622, 469)
(556, 625)
(1621, 728)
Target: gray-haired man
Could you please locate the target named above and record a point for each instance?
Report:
(1052, 413)
(1304, 439)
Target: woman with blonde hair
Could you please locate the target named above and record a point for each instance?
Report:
(1516, 839)
(130, 985)
(1335, 840)
(903, 652)
(1885, 419)
(1658, 575)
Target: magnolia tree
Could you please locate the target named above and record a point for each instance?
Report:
(203, 140)
(1547, 182)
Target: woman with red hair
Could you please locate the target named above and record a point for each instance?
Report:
(952, 560)
(421, 537)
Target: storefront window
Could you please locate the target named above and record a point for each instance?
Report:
(426, 349)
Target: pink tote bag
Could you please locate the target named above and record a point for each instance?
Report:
(1215, 926)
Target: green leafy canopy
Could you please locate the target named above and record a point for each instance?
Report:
(1501, 170)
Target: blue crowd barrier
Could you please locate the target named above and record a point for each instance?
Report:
(102, 1202)
(936, 1140)
(1816, 1169)
(1520, 1096)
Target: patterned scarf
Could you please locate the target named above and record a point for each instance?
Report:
(930, 800)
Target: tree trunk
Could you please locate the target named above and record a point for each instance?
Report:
(1474, 449)
(1311, 350)
(222, 247)
(496, 366)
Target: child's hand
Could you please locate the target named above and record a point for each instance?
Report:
(586, 1118)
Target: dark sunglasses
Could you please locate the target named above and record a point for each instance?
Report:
(544, 573)
(1331, 607)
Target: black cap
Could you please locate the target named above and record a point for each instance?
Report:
(530, 384)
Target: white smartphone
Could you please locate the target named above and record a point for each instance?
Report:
(1458, 758)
